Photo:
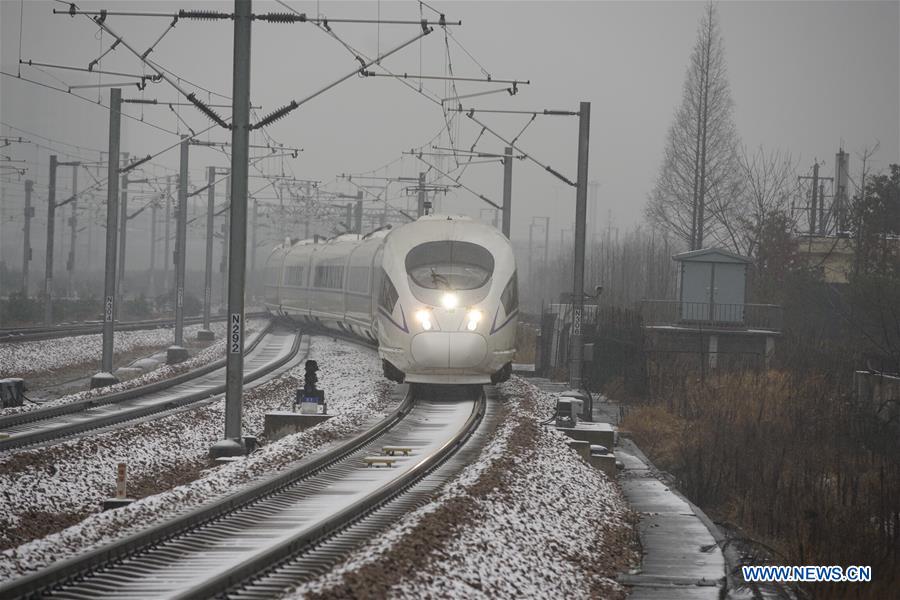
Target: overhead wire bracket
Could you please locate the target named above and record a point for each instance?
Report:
(295, 104)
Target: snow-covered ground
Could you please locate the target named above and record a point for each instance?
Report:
(72, 478)
(528, 519)
(22, 359)
(209, 354)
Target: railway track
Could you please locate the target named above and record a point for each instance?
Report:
(269, 351)
(34, 334)
(292, 525)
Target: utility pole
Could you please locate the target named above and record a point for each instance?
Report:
(123, 232)
(177, 353)
(26, 240)
(73, 230)
(507, 189)
(206, 334)
(105, 376)
(576, 363)
(233, 443)
(816, 215)
(822, 224)
(815, 190)
(421, 206)
(48, 262)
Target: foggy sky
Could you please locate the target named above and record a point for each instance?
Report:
(806, 77)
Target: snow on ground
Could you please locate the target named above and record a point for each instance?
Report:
(74, 477)
(21, 359)
(209, 354)
(528, 519)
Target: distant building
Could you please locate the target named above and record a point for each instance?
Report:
(832, 257)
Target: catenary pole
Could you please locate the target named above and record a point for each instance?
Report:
(169, 259)
(547, 245)
(105, 376)
(421, 197)
(154, 208)
(26, 240)
(575, 364)
(73, 231)
(206, 333)
(507, 190)
(123, 232)
(177, 352)
(240, 139)
(223, 264)
(253, 226)
(531, 278)
(48, 262)
(359, 213)
(307, 201)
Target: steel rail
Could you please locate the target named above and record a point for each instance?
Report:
(140, 412)
(327, 553)
(41, 414)
(306, 536)
(76, 568)
(33, 334)
(319, 555)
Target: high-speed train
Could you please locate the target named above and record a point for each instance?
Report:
(439, 296)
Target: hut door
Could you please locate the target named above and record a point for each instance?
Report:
(728, 293)
(696, 281)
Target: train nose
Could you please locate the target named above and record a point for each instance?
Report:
(440, 349)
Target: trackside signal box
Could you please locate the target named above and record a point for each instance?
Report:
(310, 401)
(310, 397)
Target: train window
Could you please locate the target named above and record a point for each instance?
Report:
(358, 280)
(388, 297)
(293, 276)
(329, 277)
(510, 296)
(451, 265)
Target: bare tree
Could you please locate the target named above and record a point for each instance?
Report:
(698, 182)
(768, 182)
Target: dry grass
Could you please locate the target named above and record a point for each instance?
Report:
(791, 459)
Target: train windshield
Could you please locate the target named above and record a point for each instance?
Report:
(449, 265)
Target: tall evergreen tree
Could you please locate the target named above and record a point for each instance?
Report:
(698, 184)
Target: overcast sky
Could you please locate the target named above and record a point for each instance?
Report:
(805, 77)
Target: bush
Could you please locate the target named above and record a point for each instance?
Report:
(19, 309)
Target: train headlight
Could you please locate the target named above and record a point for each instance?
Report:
(424, 318)
(449, 301)
(472, 319)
